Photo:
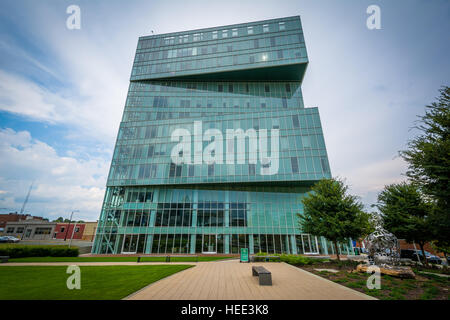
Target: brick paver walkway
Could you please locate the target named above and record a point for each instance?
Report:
(231, 280)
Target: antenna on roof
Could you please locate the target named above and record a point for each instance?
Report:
(152, 31)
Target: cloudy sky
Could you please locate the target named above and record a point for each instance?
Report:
(62, 91)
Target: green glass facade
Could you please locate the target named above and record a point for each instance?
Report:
(240, 77)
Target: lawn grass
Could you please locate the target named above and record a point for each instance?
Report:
(115, 259)
(97, 282)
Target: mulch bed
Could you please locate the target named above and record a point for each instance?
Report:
(424, 287)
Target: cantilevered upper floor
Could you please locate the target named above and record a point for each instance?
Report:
(263, 50)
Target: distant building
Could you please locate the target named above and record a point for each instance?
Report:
(14, 216)
(31, 229)
(43, 230)
(80, 231)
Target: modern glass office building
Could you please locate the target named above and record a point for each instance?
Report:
(215, 149)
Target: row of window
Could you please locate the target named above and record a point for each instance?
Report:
(253, 88)
(220, 107)
(217, 62)
(285, 124)
(220, 48)
(297, 165)
(212, 35)
(181, 243)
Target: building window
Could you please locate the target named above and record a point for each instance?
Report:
(43, 231)
(19, 230)
(306, 141)
(62, 229)
(324, 163)
(220, 88)
(224, 33)
(265, 28)
(288, 87)
(214, 34)
(294, 164)
(191, 170)
(234, 32)
(295, 121)
(10, 230)
(272, 41)
(250, 30)
(230, 48)
(266, 88)
(252, 169)
(280, 54)
(198, 36)
(263, 104)
(284, 101)
(230, 88)
(210, 170)
(282, 26)
(77, 229)
(169, 40)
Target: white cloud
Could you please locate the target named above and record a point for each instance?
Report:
(368, 180)
(62, 183)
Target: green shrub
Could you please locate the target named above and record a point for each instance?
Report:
(23, 251)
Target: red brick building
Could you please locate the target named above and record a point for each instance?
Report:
(64, 230)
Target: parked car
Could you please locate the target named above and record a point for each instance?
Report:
(9, 239)
(415, 255)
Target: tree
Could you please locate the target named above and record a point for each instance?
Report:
(60, 219)
(330, 212)
(428, 158)
(406, 213)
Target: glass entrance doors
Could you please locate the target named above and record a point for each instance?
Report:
(209, 243)
(133, 243)
(310, 245)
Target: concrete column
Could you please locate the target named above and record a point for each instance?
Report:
(226, 237)
(193, 238)
(323, 241)
(250, 244)
(149, 244)
(226, 243)
(293, 244)
(152, 218)
(287, 244)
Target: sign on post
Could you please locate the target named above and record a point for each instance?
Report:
(244, 255)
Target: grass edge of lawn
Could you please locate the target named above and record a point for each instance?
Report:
(114, 259)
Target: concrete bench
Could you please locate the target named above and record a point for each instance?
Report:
(168, 257)
(4, 259)
(265, 277)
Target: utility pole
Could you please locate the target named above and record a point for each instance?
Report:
(68, 226)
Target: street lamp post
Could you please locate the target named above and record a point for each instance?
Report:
(68, 226)
(74, 227)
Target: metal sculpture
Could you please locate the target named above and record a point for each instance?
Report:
(383, 248)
